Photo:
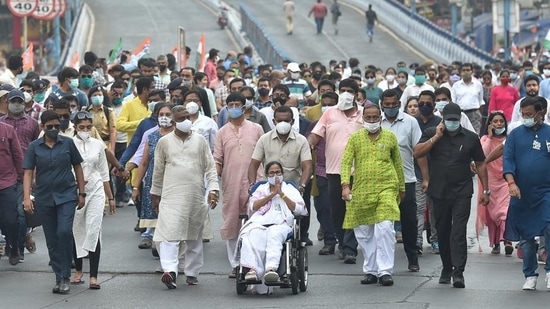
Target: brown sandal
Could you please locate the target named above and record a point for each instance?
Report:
(95, 286)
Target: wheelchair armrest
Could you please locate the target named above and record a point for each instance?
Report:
(243, 217)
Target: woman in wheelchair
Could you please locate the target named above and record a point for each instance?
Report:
(273, 206)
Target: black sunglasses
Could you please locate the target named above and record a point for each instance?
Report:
(53, 126)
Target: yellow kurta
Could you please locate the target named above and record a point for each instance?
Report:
(132, 113)
(377, 180)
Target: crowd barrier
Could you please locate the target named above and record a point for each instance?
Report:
(422, 34)
(265, 46)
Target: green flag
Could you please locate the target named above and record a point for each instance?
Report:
(117, 50)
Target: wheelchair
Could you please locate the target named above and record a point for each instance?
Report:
(293, 266)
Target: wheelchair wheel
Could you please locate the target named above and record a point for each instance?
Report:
(294, 281)
(241, 288)
(303, 268)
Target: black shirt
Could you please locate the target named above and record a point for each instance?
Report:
(432, 122)
(450, 159)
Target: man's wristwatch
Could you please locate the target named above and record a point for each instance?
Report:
(82, 194)
(487, 192)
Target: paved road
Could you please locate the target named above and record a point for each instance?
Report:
(305, 46)
(135, 20)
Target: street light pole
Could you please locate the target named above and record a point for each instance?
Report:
(507, 29)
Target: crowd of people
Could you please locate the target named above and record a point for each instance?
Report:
(384, 154)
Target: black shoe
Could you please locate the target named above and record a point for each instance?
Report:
(350, 259)
(458, 281)
(369, 279)
(445, 277)
(137, 228)
(308, 242)
(14, 257)
(327, 250)
(55, 289)
(386, 280)
(340, 254)
(155, 252)
(413, 264)
(64, 286)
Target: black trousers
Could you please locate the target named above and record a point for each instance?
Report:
(9, 218)
(305, 221)
(409, 222)
(346, 238)
(451, 219)
(120, 185)
(94, 260)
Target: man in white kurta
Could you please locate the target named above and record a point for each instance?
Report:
(183, 161)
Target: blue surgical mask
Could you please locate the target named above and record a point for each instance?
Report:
(235, 112)
(513, 76)
(528, 122)
(97, 100)
(441, 105)
(454, 78)
(39, 97)
(73, 83)
(499, 131)
(528, 72)
(452, 125)
(391, 111)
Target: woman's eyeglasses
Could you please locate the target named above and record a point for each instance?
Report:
(278, 173)
(83, 115)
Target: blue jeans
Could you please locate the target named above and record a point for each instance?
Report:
(370, 30)
(529, 249)
(319, 24)
(324, 212)
(148, 234)
(57, 223)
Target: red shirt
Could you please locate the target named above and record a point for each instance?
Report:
(319, 10)
(11, 157)
(210, 71)
(503, 98)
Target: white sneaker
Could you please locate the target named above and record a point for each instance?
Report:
(251, 276)
(271, 276)
(547, 279)
(531, 283)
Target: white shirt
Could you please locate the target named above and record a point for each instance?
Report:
(269, 113)
(464, 121)
(408, 133)
(446, 85)
(516, 113)
(208, 128)
(385, 85)
(9, 78)
(121, 137)
(468, 96)
(411, 91)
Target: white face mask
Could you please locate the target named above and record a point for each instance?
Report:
(345, 101)
(546, 72)
(283, 127)
(184, 126)
(248, 104)
(324, 108)
(372, 127)
(192, 108)
(390, 78)
(84, 135)
(152, 106)
(272, 179)
(294, 75)
(165, 121)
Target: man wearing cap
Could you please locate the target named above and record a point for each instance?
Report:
(451, 149)
(32, 108)
(4, 90)
(27, 130)
(298, 87)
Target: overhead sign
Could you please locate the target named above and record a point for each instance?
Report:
(499, 17)
(44, 9)
(22, 8)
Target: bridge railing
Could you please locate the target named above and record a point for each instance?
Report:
(422, 34)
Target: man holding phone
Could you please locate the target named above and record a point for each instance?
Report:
(451, 149)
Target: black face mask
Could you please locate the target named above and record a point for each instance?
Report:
(177, 101)
(64, 124)
(317, 76)
(53, 133)
(263, 92)
(279, 100)
(426, 109)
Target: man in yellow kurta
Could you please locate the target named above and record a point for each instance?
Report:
(135, 110)
(378, 184)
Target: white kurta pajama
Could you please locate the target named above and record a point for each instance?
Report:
(87, 220)
(263, 235)
(178, 178)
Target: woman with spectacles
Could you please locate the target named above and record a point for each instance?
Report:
(88, 220)
(273, 206)
(493, 215)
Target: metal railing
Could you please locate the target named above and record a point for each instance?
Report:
(264, 44)
(423, 34)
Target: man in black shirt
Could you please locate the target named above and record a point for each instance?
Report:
(451, 149)
(370, 14)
